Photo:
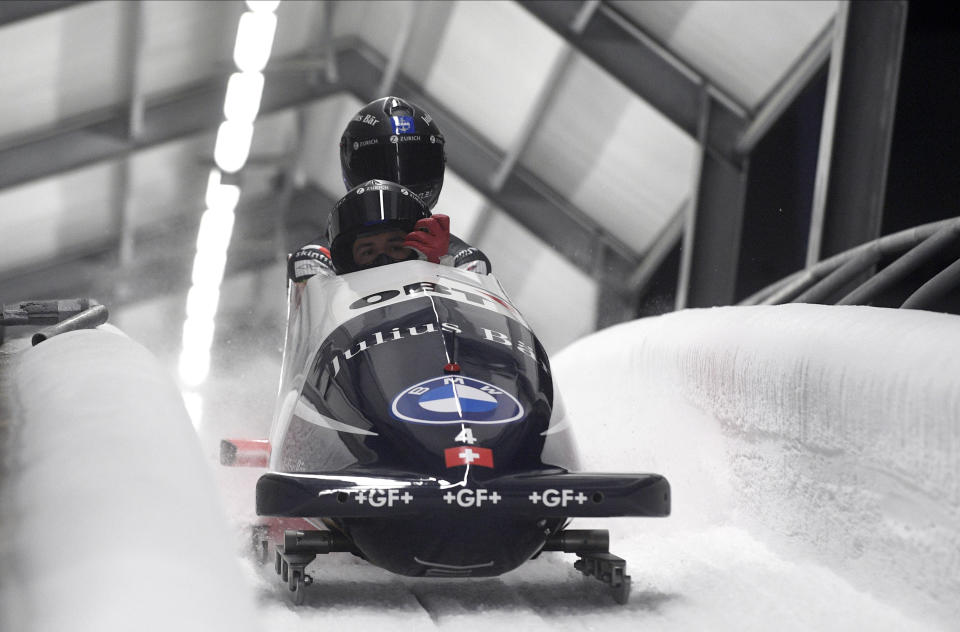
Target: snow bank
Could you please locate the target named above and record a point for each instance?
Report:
(836, 432)
(113, 520)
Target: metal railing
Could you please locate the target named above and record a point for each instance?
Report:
(902, 260)
(59, 316)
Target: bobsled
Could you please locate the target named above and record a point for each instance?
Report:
(418, 426)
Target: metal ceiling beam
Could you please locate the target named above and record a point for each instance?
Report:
(647, 69)
(786, 91)
(716, 234)
(548, 92)
(163, 263)
(660, 248)
(332, 74)
(524, 196)
(16, 10)
(400, 42)
(713, 224)
(714, 218)
(614, 299)
(132, 55)
(857, 127)
(199, 109)
(193, 111)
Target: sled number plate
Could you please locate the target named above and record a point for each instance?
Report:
(466, 436)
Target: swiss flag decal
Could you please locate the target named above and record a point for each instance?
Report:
(466, 455)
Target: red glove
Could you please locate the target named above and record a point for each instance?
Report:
(430, 237)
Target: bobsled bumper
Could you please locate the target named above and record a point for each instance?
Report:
(537, 495)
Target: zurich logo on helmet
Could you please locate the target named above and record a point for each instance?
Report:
(455, 399)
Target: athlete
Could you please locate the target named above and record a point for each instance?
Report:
(395, 142)
(375, 224)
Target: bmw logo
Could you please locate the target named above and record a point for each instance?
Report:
(456, 399)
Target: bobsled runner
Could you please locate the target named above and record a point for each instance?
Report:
(418, 426)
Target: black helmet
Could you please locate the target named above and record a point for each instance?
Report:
(392, 139)
(374, 206)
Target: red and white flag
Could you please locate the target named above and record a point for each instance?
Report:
(466, 455)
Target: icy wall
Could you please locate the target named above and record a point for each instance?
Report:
(111, 517)
(839, 428)
(829, 433)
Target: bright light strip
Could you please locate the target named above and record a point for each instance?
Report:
(194, 365)
(197, 333)
(208, 269)
(221, 196)
(213, 239)
(194, 405)
(244, 91)
(202, 302)
(254, 40)
(255, 34)
(195, 356)
(233, 145)
(262, 6)
(214, 235)
(213, 181)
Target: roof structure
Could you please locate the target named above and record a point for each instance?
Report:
(586, 142)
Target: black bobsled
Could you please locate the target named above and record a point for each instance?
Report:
(418, 426)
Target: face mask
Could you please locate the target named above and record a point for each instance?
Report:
(384, 259)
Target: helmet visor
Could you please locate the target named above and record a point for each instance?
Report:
(369, 206)
(412, 164)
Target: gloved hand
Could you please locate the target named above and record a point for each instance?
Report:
(430, 237)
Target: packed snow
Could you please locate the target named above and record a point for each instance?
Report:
(813, 454)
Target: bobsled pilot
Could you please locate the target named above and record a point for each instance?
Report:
(376, 224)
(392, 141)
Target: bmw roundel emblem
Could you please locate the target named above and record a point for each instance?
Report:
(454, 399)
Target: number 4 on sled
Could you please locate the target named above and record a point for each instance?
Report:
(466, 436)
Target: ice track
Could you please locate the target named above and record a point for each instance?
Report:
(813, 453)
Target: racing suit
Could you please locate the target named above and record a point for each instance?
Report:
(314, 258)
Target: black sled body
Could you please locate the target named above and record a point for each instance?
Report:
(418, 420)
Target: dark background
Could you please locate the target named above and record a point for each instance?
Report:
(923, 182)
(923, 178)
